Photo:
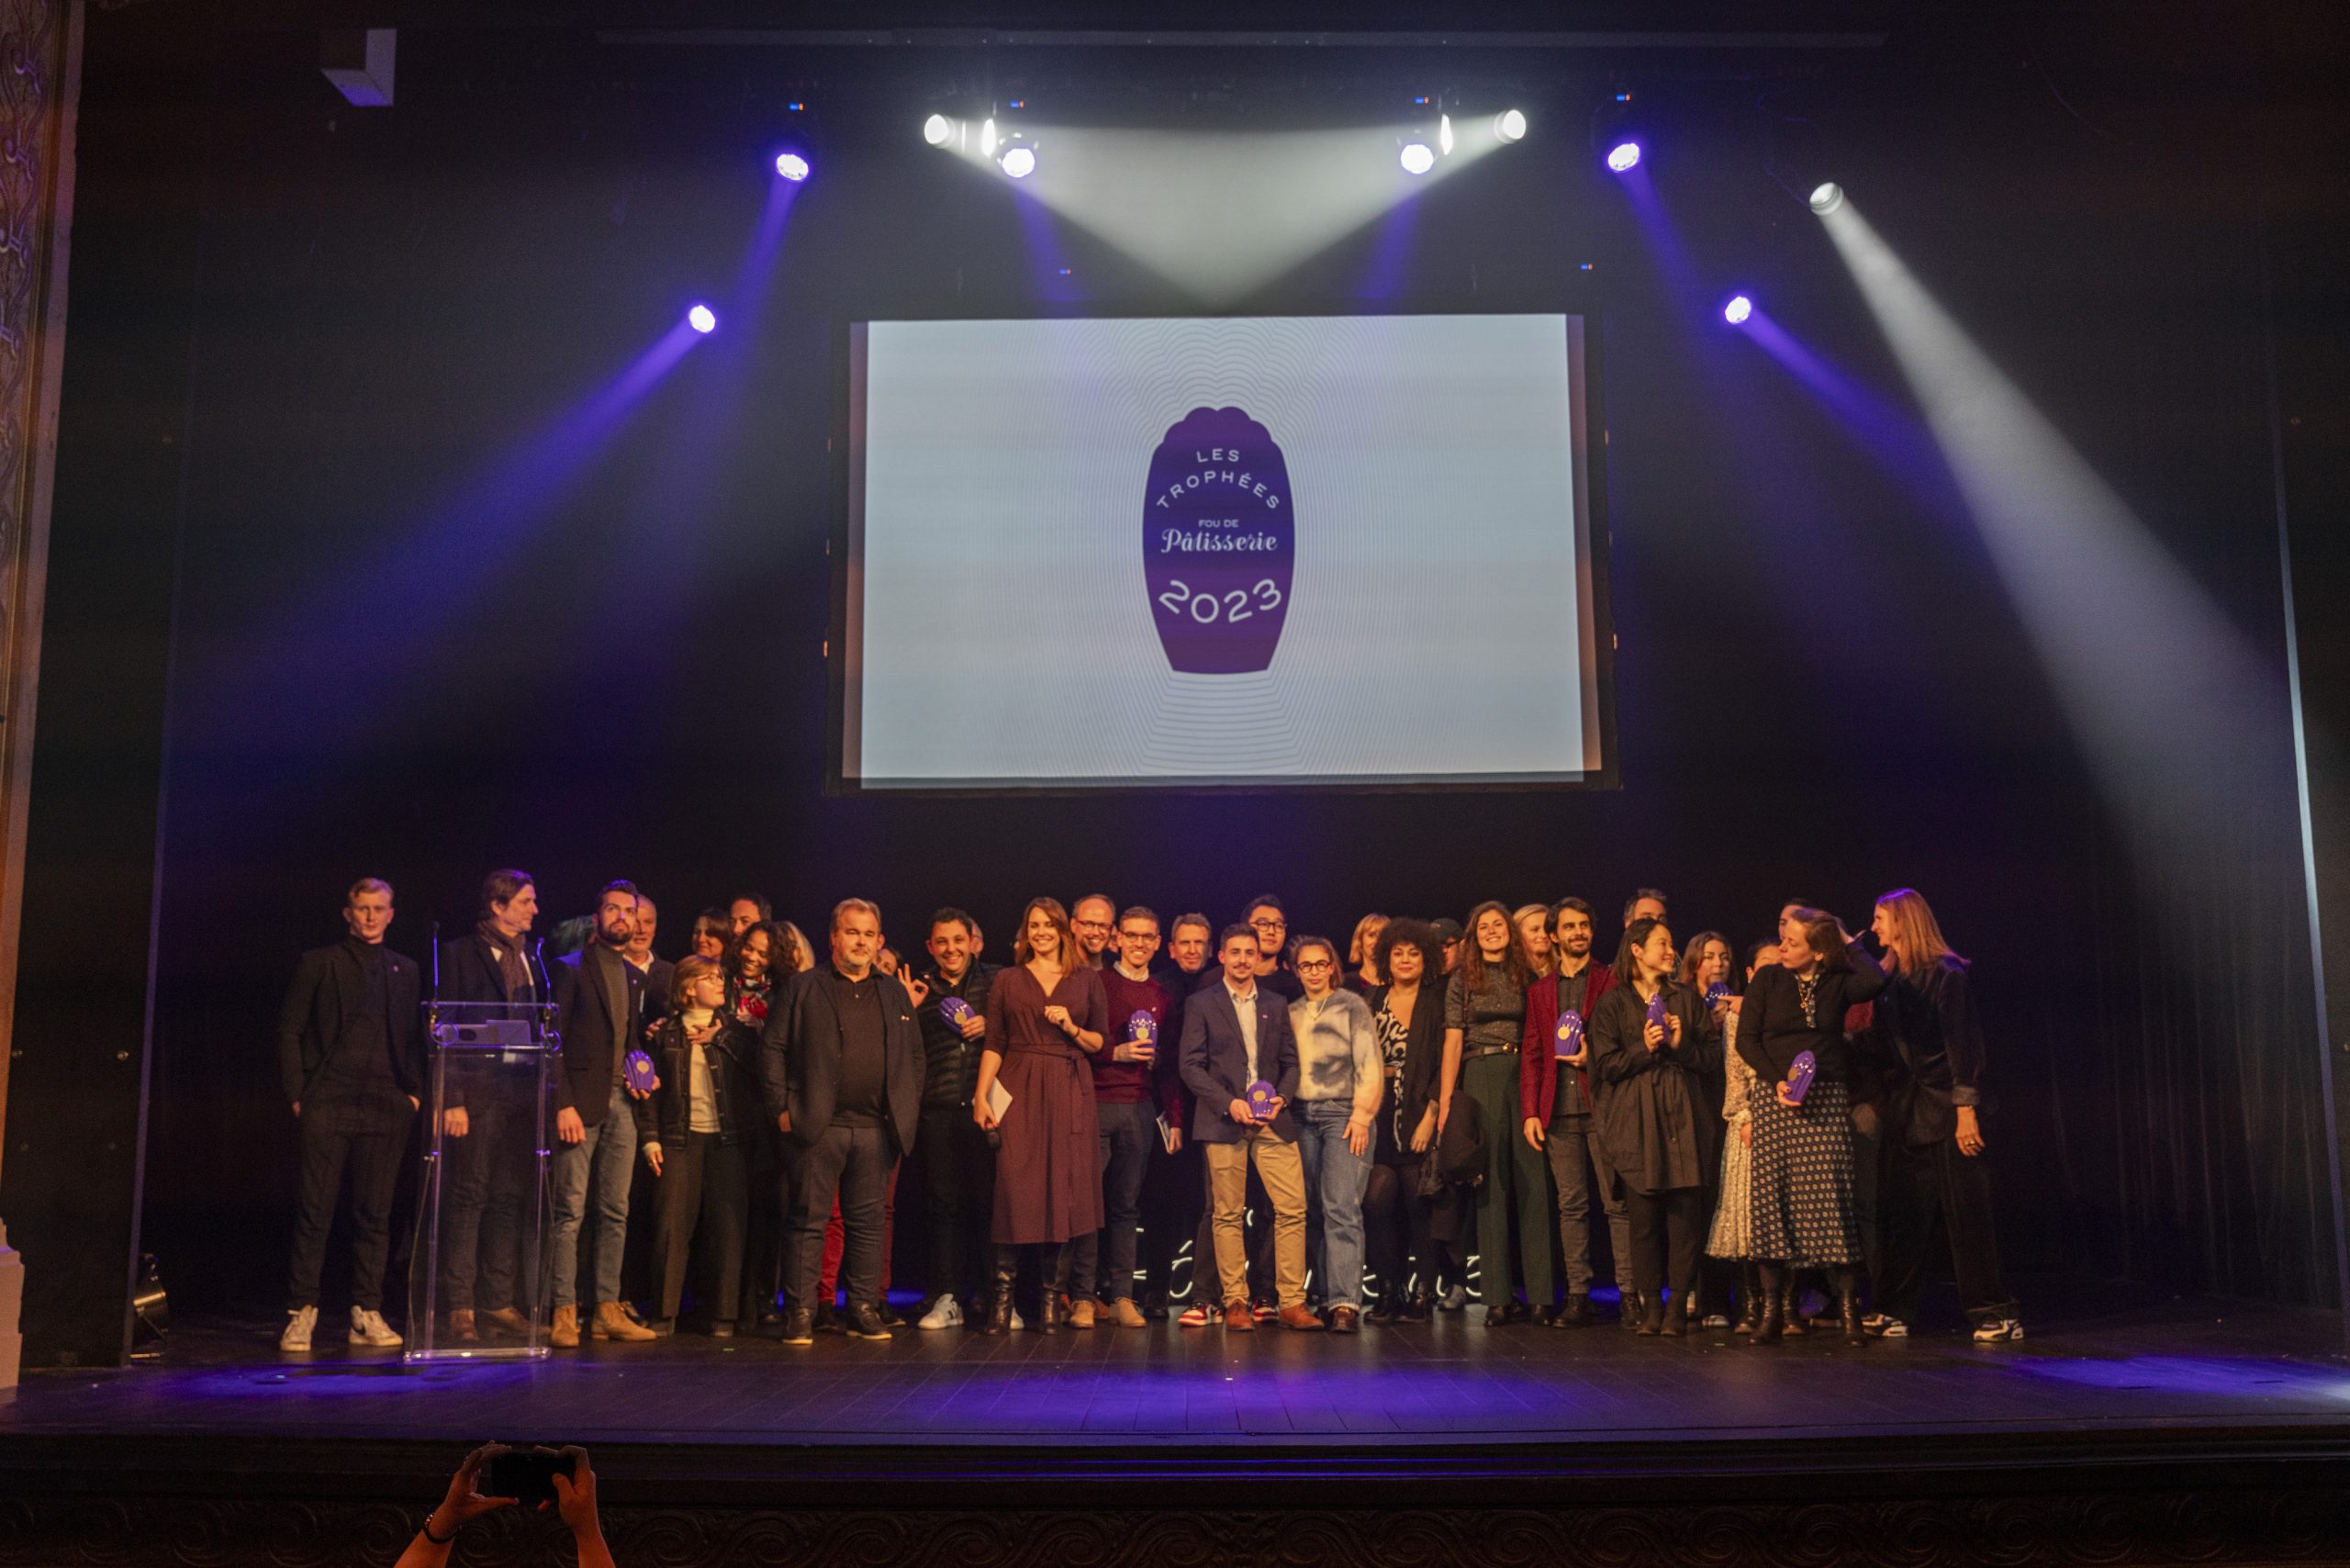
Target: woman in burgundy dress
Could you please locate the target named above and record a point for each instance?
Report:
(1043, 1021)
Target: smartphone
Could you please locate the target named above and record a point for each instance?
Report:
(525, 1475)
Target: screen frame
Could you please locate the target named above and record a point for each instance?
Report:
(1600, 625)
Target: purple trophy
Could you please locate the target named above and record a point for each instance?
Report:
(1260, 1100)
(1717, 994)
(1799, 1076)
(956, 1011)
(1142, 1029)
(1218, 543)
(1569, 1036)
(639, 1071)
(1656, 1009)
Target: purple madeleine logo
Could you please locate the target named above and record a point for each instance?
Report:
(1218, 543)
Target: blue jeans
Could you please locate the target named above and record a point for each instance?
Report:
(1338, 1176)
(608, 1154)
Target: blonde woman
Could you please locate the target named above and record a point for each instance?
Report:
(1362, 956)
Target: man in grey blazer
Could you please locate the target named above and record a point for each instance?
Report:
(1235, 1033)
(843, 1066)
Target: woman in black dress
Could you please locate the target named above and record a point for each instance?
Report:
(1403, 1224)
(1046, 1015)
(1802, 1172)
(1647, 1116)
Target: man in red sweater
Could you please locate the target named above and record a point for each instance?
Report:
(1128, 1113)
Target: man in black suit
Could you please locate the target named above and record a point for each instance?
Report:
(600, 1000)
(489, 1126)
(1235, 1035)
(844, 1065)
(351, 1056)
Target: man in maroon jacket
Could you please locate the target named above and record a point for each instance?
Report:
(1556, 1093)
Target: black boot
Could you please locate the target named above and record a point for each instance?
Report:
(1576, 1314)
(1791, 1304)
(1749, 1292)
(1848, 1302)
(998, 1318)
(1772, 1320)
(1678, 1312)
(1652, 1313)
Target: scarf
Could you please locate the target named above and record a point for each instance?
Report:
(513, 971)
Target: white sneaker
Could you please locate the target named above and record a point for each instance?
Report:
(1883, 1325)
(299, 1323)
(368, 1327)
(945, 1313)
(1019, 1324)
(1997, 1331)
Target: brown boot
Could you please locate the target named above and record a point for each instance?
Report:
(506, 1320)
(1126, 1314)
(461, 1327)
(1081, 1313)
(1238, 1317)
(612, 1322)
(1301, 1317)
(565, 1335)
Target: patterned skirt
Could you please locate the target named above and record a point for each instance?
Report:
(1733, 1233)
(1800, 1179)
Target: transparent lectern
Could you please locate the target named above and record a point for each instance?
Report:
(482, 1209)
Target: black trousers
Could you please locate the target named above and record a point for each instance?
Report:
(1396, 1222)
(1668, 1235)
(1174, 1187)
(770, 1209)
(703, 1193)
(366, 1143)
(1919, 1183)
(958, 1192)
(854, 1165)
(491, 1188)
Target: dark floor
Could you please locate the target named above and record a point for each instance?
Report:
(2093, 1365)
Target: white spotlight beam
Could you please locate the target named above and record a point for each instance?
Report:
(2175, 708)
(1220, 214)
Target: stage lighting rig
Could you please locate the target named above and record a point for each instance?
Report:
(1510, 125)
(1826, 197)
(791, 166)
(1416, 159)
(702, 319)
(1737, 312)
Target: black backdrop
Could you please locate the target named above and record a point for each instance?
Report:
(398, 649)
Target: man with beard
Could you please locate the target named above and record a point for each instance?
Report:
(600, 999)
(1556, 1092)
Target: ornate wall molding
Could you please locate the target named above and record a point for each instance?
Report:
(2109, 1529)
(40, 63)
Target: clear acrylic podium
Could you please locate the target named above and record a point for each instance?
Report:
(482, 1209)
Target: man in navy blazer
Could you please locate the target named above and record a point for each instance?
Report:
(1235, 1033)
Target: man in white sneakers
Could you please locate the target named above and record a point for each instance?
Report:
(351, 1059)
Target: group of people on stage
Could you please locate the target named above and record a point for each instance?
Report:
(1426, 1100)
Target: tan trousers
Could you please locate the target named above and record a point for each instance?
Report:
(1283, 1175)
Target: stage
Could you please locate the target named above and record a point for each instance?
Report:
(2194, 1430)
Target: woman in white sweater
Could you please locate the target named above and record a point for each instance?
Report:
(1339, 1081)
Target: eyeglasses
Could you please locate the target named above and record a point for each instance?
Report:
(1269, 925)
(1305, 964)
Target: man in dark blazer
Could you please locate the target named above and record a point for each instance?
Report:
(1236, 1034)
(489, 1127)
(843, 1066)
(350, 1060)
(599, 1002)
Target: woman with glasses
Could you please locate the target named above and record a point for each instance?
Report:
(1484, 1018)
(1338, 1085)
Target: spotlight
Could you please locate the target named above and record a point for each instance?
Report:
(987, 138)
(937, 129)
(1418, 159)
(1739, 308)
(1510, 125)
(1827, 196)
(1624, 157)
(791, 166)
(1019, 163)
(702, 318)
(1444, 134)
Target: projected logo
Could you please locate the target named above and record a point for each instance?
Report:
(1219, 542)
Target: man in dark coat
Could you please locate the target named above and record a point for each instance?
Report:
(844, 1066)
(350, 1060)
